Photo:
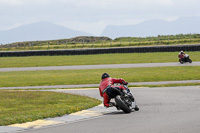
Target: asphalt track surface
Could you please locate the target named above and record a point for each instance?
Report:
(162, 110)
(99, 66)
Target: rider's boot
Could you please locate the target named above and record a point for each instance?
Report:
(117, 107)
(112, 104)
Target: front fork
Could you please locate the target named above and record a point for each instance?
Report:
(130, 100)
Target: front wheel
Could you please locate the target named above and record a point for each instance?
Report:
(190, 61)
(136, 108)
(122, 105)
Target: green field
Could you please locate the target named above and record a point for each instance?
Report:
(125, 58)
(103, 42)
(23, 106)
(68, 77)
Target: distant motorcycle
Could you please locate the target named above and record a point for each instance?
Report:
(186, 58)
(124, 99)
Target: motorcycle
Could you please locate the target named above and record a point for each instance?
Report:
(186, 58)
(123, 98)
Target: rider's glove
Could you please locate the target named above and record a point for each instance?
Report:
(125, 83)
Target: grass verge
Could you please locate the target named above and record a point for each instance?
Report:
(26, 106)
(69, 77)
(96, 87)
(123, 58)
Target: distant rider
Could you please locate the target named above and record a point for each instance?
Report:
(106, 81)
(181, 56)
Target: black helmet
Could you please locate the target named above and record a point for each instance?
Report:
(105, 75)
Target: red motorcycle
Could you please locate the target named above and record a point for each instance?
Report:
(123, 98)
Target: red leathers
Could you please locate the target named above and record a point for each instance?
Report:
(109, 81)
(181, 55)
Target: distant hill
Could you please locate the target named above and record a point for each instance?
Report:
(48, 31)
(38, 31)
(88, 39)
(184, 25)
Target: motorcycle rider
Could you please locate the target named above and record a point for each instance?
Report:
(181, 54)
(108, 81)
(182, 57)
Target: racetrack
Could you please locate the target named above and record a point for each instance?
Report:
(99, 66)
(162, 110)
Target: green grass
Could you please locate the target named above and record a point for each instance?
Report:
(24, 106)
(67, 77)
(125, 58)
(103, 42)
(161, 85)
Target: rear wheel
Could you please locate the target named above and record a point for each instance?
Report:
(122, 105)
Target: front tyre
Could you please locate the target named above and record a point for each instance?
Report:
(122, 105)
(190, 61)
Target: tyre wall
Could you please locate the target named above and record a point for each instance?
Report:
(173, 48)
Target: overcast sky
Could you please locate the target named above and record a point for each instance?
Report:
(93, 15)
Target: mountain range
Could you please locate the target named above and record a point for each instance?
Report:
(184, 25)
(38, 31)
(49, 31)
